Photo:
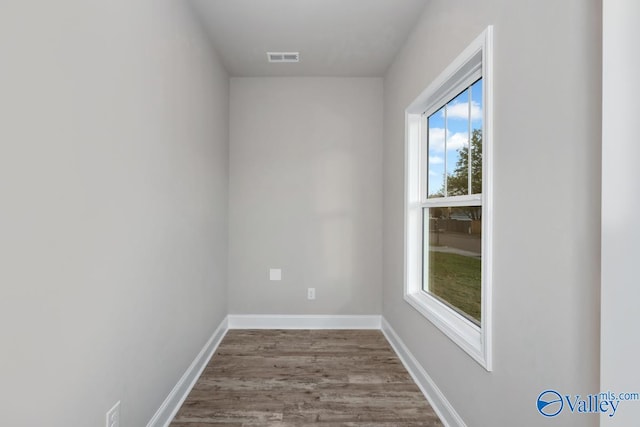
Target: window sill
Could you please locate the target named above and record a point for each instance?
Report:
(459, 329)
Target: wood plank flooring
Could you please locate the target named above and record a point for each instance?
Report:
(303, 377)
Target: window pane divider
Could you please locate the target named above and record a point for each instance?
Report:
(446, 129)
(465, 200)
(469, 154)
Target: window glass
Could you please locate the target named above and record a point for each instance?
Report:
(476, 137)
(436, 143)
(453, 254)
(457, 117)
(452, 241)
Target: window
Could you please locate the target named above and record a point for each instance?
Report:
(448, 201)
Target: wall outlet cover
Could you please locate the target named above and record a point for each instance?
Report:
(275, 274)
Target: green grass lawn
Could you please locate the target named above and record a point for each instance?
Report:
(456, 279)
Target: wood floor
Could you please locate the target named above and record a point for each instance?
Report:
(298, 378)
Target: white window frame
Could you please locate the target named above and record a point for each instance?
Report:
(474, 62)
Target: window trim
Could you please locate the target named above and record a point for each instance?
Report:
(474, 62)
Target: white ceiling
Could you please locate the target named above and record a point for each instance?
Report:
(334, 37)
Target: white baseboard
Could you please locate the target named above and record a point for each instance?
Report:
(237, 321)
(439, 403)
(180, 391)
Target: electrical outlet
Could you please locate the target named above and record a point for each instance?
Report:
(311, 293)
(113, 416)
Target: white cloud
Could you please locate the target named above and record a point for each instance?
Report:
(455, 141)
(436, 139)
(436, 160)
(460, 110)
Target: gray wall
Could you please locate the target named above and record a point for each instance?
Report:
(305, 195)
(547, 204)
(113, 218)
(620, 343)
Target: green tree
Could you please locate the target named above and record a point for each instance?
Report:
(458, 181)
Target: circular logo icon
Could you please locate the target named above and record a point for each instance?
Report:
(550, 403)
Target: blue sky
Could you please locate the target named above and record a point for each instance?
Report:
(457, 133)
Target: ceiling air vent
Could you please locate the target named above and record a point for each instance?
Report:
(283, 56)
